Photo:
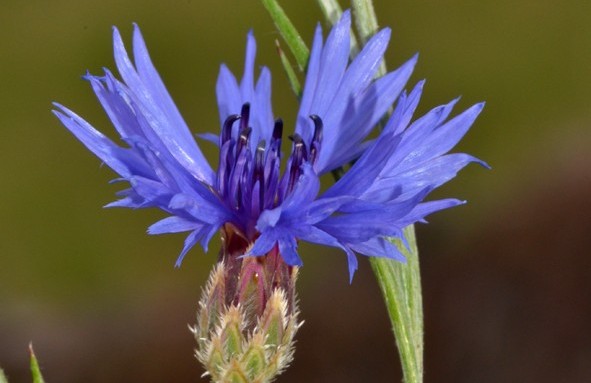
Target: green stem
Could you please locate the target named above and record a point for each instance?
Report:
(400, 283)
(332, 13)
(366, 24)
(401, 286)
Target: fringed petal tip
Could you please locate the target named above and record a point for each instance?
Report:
(483, 164)
(352, 265)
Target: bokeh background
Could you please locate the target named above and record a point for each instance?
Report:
(505, 278)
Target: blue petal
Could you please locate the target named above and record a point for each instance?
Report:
(154, 193)
(126, 202)
(190, 241)
(303, 124)
(422, 210)
(247, 83)
(359, 74)
(200, 209)
(173, 225)
(359, 224)
(269, 219)
(123, 161)
(431, 174)
(322, 208)
(117, 107)
(263, 111)
(153, 83)
(210, 137)
(209, 232)
(264, 243)
(313, 234)
(352, 262)
(414, 138)
(305, 190)
(232, 96)
(165, 173)
(447, 136)
(288, 250)
(167, 124)
(228, 94)
(379, 247)
(404, 111)
(335, 57)
(361, 118)
(366, 170)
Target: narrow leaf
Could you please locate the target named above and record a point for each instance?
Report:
(3, 377)
(331, 9)
(366, 21)
(289, 71)
(35, 371)
(291, 36)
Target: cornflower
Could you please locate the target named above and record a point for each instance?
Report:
(248, 313)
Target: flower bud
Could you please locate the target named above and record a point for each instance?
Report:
(247, 315)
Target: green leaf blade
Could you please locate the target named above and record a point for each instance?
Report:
(400, 282)
(35, 370)
(289, 33)
(3, 377)
(289, 71)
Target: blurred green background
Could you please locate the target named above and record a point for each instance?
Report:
(505, 277)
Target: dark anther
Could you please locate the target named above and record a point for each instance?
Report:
(278, 129)
(317, 139)
(259, 171)
(298, 156)
(227, 128)
(318, 125)
(296, 138)
(245, 113)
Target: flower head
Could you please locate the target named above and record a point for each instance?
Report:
(248, 196)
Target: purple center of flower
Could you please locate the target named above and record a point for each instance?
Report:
(251, 182)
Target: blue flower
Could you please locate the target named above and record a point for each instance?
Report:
(248, 197)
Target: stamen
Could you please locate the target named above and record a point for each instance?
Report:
(278, 129)
(317, 139)
(227, 128)
(243, 139)
(242, 158)
(272, 165)
(318, 126)
(252, 182)
(299, 148)
(298, 156)
(259, 172)
(275, 145)
(245, 113)
(225, 166)
(226, 153)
